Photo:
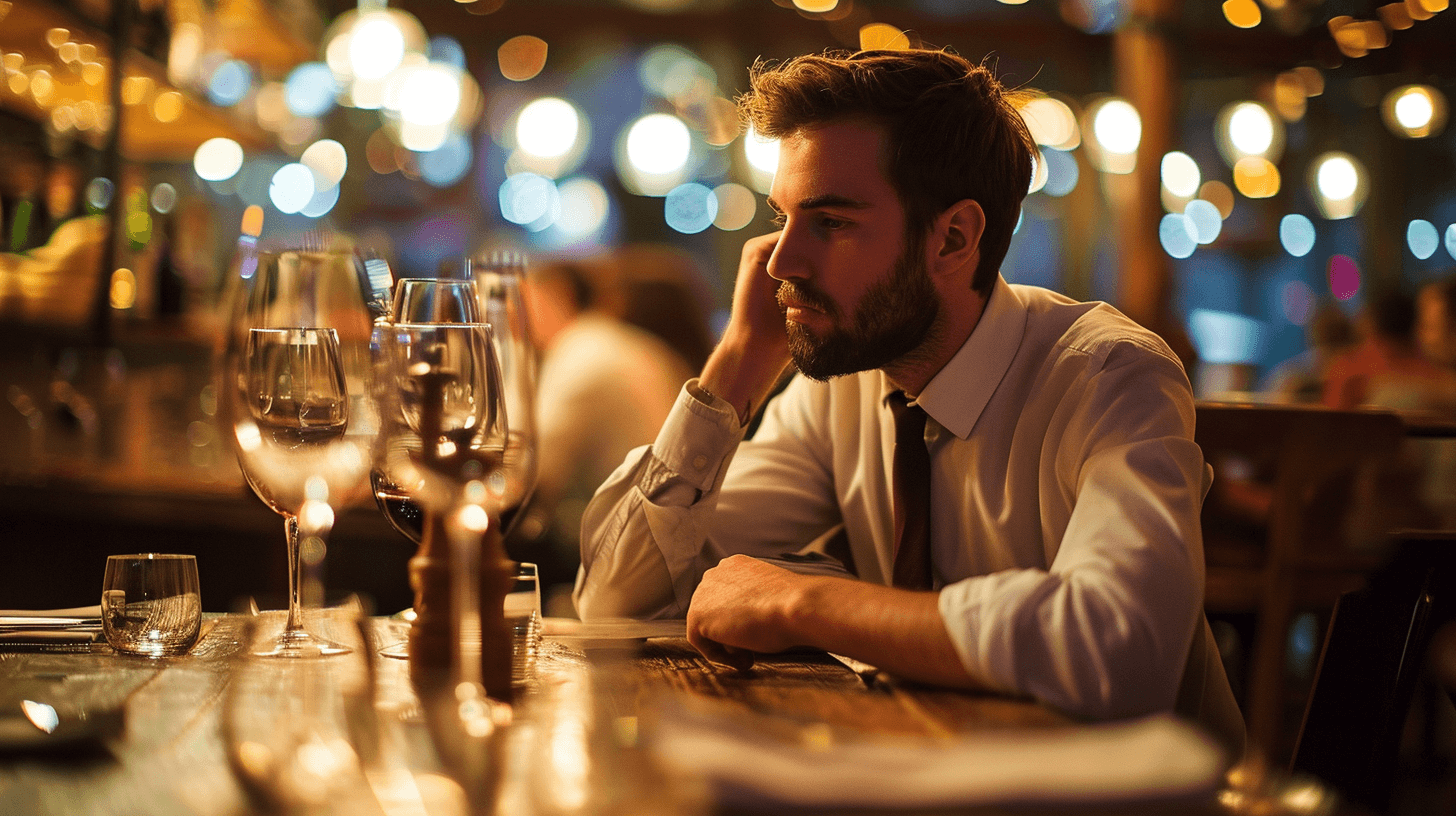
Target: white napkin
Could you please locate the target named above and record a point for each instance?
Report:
(87, 631)
(1159, 757)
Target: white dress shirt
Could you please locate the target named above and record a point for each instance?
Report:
(1065, 501)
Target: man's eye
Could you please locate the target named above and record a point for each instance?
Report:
(830, 222)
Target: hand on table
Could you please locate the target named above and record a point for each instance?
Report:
(741, 608)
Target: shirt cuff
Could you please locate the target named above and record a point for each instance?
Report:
(700, 433)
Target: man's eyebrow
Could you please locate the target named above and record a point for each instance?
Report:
(825, 200)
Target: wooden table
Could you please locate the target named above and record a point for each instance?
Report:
(576, 742)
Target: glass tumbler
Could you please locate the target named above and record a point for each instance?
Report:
(150, 604)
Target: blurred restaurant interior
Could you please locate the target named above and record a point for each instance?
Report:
(1220, 171)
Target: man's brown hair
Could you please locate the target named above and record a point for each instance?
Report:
(953, 131)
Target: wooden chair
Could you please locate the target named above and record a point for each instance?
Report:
(1294, 519)
(1374, 653)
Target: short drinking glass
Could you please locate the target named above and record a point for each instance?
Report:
(150, 604)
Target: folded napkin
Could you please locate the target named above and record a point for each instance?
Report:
(609, 629)
(1159, 757)
(48, 628)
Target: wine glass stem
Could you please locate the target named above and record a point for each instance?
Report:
(295, 607)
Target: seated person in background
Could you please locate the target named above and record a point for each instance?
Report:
(1436, 322)
(604, 387)
(1060, 556)
(1385, 369)
(1301, 379)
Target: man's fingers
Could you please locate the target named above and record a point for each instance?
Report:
(713, 651)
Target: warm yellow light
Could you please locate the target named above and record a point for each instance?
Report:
(253, 221)
(1414, 111)
(1051, 123)
(1242, 13)
(376, 45)
(1395, 16)
(522, 57)
(1219, 195)
(42, 87)
(69, 52)
(548, 127)
(1336, 177)
(883, 37)
(123, 289)
(815, 6)
(134, 89)
(167, 107)
(93, 73)
(56, 37)
(1434, 6)
(1251, 129)
(1117, 127)
(1256, 177)
(1180, 174)
(217, 159)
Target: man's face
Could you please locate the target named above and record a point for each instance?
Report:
(855, 292)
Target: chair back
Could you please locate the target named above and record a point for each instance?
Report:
(1374, 653)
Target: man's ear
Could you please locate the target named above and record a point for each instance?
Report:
(956, 242)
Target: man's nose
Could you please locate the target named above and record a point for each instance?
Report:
(786, 263)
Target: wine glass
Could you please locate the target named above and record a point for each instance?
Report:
(420, 301)
(498, 278)
(442, 442)
(295, 372)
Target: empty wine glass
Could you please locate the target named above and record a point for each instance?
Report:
(294, 394)
(498, 278)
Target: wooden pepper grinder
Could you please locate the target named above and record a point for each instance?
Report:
(435, 631)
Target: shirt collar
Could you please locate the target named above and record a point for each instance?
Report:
(960, 391)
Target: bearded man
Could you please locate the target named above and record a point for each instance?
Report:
(1060, 554)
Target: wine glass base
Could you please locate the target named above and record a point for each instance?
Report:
(299, 643)
(399, 651)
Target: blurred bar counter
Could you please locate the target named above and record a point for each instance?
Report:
(117, 450)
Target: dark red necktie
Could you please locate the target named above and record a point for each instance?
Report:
(910, 492)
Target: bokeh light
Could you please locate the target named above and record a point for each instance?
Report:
(529, 199)
(548, 127)
(164, 198)
(1117, 130)
(521, 58)
(217, 159)
(1245, 129)
(658, 143)
(230, 83)
(1219, 195)
(1338, 183)
(1422, 238)
(328, 160)
(690, 208)
(1062, 172)
(1242, 13)
(1224, 337)
(737, 205)
(1180, 174)
(882, 37)
(1038, 172)
(322, 202)
(447, 50)
(1205, 220)
(1296, 234)
(585, 206)
(1051, 123)
(1176, 234)
(1414, 111)
(98, 194)
(1256, 177)
(122, 292)
(167, 107)
(291, 188)
(1344, 277)
(762, 155)
(1451, 241)
(376, 45)
(447, 163)
(310, 89)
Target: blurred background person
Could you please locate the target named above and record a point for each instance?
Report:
(1385, 369)
(1301, 379)
(1436, 322)
(605, 387)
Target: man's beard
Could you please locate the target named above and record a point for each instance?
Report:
(891, 320)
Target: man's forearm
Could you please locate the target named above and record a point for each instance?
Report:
(738, 374)
(896, 630)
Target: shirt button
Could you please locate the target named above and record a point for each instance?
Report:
(700, 461)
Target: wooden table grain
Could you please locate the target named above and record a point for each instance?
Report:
(575, 743)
